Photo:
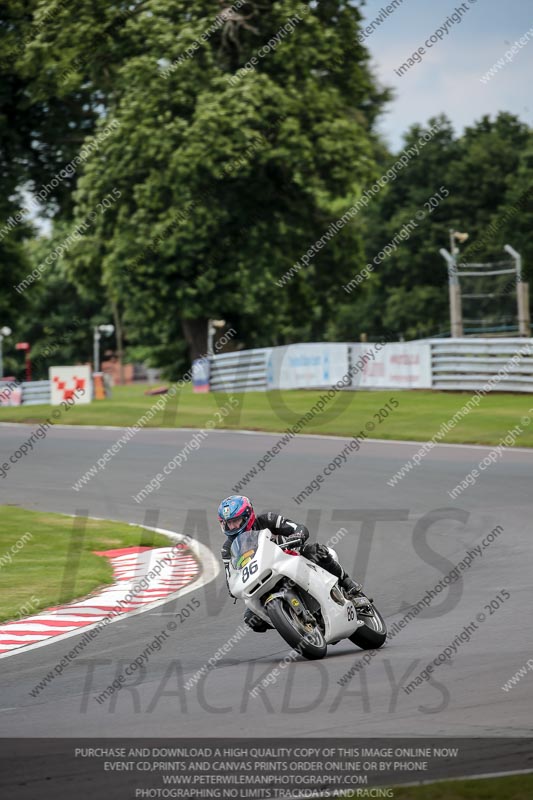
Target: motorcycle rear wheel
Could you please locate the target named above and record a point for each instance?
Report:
(373, 633)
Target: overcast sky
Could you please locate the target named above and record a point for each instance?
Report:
(447, 79)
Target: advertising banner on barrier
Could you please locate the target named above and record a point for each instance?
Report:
(10, 392)
(305, 366)
(70, 384)
(395, 366)
(200, 375)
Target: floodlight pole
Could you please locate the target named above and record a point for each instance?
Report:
(5, 331)
(97, 335)
(456, 313)
(522, 294)
(212, 325)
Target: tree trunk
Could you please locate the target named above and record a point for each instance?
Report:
(195, 333)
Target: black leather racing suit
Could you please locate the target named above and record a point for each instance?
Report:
(284, 528)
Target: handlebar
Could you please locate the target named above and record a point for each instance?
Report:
(297, 542)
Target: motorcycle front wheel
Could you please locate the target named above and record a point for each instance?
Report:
(306, 639)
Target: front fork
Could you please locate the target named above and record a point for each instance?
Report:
(295, 603)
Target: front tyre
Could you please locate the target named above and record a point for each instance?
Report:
(306, 639)
(373, 633)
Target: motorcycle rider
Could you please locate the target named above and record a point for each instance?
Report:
(236, 515)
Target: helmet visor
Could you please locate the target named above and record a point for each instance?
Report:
(234, 525)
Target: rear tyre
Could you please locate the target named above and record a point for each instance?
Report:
(308, 640)
(373, 633)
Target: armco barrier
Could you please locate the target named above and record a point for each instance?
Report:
(242, 371)
(36, 393)
(320, 365)
(288, 367)
(464, 364)
(468, 364)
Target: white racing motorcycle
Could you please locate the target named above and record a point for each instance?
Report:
(301, 600)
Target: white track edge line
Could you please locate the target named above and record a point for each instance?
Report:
(476, 777)
(244, 432)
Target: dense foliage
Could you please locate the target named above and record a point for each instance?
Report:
(188, 155)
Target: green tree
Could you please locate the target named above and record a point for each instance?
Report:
(482, 172)
(512, 221)
(50, 125)
(488, 163)
(406, 292)
(39, 134)
(226, 178)
(57, 317)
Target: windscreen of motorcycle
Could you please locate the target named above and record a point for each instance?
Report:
(243, 548)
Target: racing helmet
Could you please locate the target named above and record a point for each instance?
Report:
(236, 514)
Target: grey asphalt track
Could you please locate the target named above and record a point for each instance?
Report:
(401, 540)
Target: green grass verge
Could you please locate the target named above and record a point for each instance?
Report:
(515, 787)
(48, 559)
(418, 417)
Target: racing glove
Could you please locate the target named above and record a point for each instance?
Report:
(297, 541)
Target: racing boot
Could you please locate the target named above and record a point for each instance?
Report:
(355, 592)
(256, 623)
(351, 587)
